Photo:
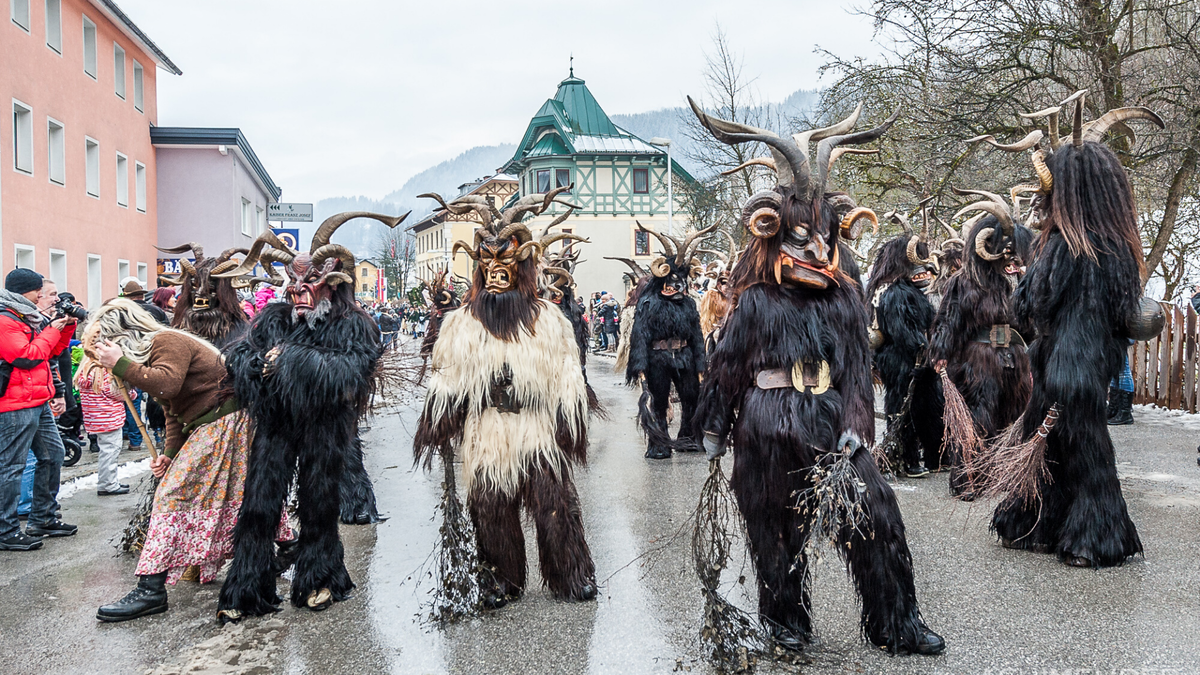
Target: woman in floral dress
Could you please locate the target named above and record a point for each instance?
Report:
(203, 465)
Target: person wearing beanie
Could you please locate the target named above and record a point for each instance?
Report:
(28, 342)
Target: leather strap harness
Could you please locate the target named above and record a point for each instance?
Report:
(672, 345)
(805, 376)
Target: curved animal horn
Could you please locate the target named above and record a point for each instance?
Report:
(981, 245)
(1100, 126)
(838, 152)
(683, 253)
(463, 205)
(900, 219)
(813, 135)
(846, 227)
(470, 250)
(546, 241)
(281, 254)
(1031, 139)
(637, 269)
(332, 223)
(224, 267)
(1077, 124)
(518, 230)
(196, 249)
(923, 209)
(826, 147)
(1006, 221)
(667, 243)
(998, 210)
(720, 255)
(757, 161)
(333, 251)
(954, 234)
(911, 250)
(791, 163)
(1051, 123)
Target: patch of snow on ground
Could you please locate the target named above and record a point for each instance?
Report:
(1151, 414)
(89, 481)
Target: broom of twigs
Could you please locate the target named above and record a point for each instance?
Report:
(887, 452)
(399, 370)
(133, 537)
(1016, 466)
(732, 638)
(460, 573)
(960, 428)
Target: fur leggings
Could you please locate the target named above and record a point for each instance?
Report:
(550, 498)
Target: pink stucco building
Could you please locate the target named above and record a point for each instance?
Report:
(78, 196)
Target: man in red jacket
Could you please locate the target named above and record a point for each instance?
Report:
(27, 409)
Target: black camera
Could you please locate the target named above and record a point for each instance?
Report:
(66, 306)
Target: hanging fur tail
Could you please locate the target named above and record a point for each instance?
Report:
(1017, 467)
(731, 637)
(960, 428)
(458, 594)
(657, 432)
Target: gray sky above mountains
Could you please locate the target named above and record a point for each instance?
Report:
(353, 97)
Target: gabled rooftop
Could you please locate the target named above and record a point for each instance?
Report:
(131, 31)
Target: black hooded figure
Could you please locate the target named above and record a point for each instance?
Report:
(207, 304)
(788, 387)
(1083, 295)
(905, 268)
(304, 371)
(975, 336)
(666, 346)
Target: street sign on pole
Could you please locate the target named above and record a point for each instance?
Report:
(293, 213)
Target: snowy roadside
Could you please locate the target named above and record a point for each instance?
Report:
(90, 480)
(1151, 414)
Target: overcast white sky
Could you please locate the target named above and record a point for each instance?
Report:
(354, 96)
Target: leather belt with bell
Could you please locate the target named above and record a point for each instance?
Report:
(805, 376)
(672, 345)
(1000, 335)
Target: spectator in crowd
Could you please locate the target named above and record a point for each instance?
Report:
(27, 343)
(103, 415)
(133, 289)
(387, 327)
(1196, 298)
(610, 315)
(164, 298)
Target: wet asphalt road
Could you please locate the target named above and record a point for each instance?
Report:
(999, 610)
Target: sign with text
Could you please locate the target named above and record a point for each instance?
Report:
(289, 236)
(292, 213)
(170, 266)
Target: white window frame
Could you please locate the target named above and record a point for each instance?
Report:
(143, 274)
(247, 225)
(54, 25)
(260, 220)
(56, 151)
(22, 122)
(91, 163)
(93, 53)
(25, 251)
(122, 272)
(139, 87)
(139, 186)
(119, 71)
(14, 7)
(95, 284)
(122, 181)
(58, 272)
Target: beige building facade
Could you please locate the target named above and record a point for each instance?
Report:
(436, 233)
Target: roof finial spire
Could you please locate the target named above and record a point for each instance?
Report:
(572, 64)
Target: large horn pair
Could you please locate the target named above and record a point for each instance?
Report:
(991, 204)
(481, 205)
(279, 252)
(915, 239)
(321, 250)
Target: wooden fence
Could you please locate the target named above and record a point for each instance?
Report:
(1165, 368)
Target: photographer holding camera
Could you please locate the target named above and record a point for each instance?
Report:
(27, 343)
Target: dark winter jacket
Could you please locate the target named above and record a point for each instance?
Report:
(29, 347)
(1196, 302)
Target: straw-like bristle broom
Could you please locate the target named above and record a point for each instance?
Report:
(458, 592)
(133, 537)
(1017, 467)
(960, 429)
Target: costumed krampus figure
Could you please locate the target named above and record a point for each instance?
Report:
(666, 346)
(207, 304)
(789, 389)
(442, 299)
(304, 371)
(950, 261)
(508, 392)
(975, 337)
(1082, 293)
(714, 304)
(902, 316)
(636, 278)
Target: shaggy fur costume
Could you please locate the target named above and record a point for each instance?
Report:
(903, 315)
(516, 458)
(208, 306)
(666, 318)
(306, 410)
(994, 381)
(1079, 293)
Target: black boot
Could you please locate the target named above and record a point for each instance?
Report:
(1114, 398)
(1124, 412)
(148, 597)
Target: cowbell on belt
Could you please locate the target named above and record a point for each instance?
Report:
(1000, 335)
(805, 376)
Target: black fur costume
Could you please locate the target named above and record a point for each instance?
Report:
(903, 315)
(666, 348)
(794, 305)
(1082, 294)
(560, 290)
(507, 395)
(304, 372)
(992, 378)
(207, 305)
